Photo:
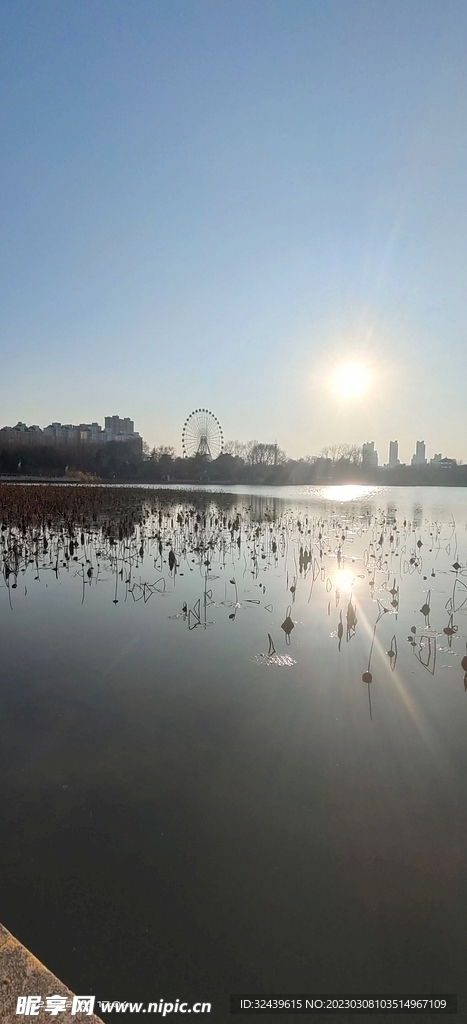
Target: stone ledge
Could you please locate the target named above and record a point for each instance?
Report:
(22, 974)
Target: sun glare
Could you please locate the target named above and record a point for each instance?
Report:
(351, 380)
(344, 580)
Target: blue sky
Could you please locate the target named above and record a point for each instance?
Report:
(217, 202)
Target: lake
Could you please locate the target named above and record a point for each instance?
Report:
(233, 739)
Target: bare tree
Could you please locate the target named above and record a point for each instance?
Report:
(162, 452)
(256, 453)
(236, 448)
(266, 454)
(351, 453)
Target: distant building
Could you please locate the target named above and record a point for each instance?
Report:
(419, 458)
(369, 455)
(22, 428)
(116, 429)
(62, 431)
(21, 434)
(393, 454)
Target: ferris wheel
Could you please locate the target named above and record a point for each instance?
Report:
(202, 435)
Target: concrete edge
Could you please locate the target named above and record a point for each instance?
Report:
(22, 974)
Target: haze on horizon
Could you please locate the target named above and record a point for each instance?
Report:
(218, 205)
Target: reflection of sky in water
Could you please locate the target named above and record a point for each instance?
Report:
(154, 772)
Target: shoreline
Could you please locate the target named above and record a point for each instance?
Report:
(183, 484)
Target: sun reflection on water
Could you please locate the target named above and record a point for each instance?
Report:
(344, 580)
(347, 492)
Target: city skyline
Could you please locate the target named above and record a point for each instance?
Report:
(123, 428)
(232, 204)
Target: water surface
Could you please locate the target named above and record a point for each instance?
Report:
(200, 792)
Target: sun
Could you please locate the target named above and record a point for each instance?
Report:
(351, 380)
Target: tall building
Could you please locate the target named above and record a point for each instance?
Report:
(119, 427)
(21, 434)
(369, 455)
(116, 429)
(393, 454)
(419, 458)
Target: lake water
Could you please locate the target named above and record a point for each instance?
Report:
(200, 793)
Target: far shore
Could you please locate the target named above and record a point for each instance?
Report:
(180, 485)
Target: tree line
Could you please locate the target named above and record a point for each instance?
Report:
(251, 462)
